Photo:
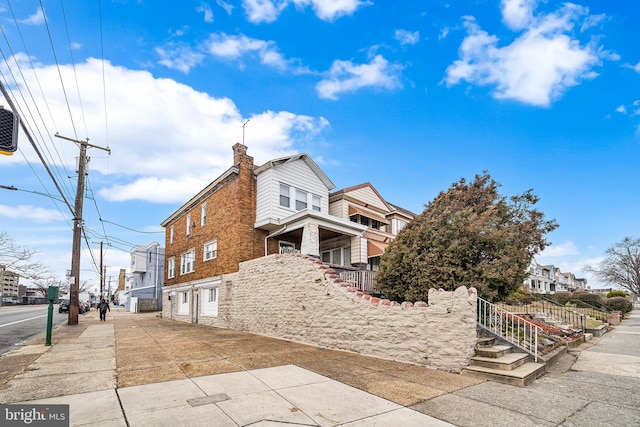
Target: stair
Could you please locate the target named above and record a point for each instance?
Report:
(498, 362)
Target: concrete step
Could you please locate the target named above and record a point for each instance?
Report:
(493, 351)
(508, 362)
(486, 341)
(521, 376)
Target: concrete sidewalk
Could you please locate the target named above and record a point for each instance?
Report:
(138, 369)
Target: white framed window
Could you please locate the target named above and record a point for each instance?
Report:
(187, 261)
(210, 302)
(285, 198)
(188, 227)
(171, 267)
(171, 234)
(212, 295)
(340, 256)
(183, 303)
(203, 214)
(301, 200)
(210, 250)
(315, 202)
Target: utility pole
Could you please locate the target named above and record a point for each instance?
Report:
(77, 228)
(101, 274)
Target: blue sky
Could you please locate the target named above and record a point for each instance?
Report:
(410, 96)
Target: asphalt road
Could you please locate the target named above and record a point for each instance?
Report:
(18, 323)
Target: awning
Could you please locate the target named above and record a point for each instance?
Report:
(375, 248)
(357, 210)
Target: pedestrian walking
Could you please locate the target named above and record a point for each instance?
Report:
(103, 306)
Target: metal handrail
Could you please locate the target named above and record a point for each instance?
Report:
(558, 312)
(509, 326)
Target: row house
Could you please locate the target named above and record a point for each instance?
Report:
(282, 206)
(548, 279)
(362, 204)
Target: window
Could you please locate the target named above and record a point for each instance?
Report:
(375, 224)
(187, 260)
(171, 234)
(210, 250)
(188, 224)
(301, 200)
(315, 203)
(171, 267)
(336, 257)
(284, 196)
(184, 298)
(210, 302)
(203, 215)
(340, 256)
(212, 295)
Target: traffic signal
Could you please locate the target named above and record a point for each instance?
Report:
(8, 132)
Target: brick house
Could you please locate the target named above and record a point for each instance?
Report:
(249, 212)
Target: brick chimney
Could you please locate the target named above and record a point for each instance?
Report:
(240, 154)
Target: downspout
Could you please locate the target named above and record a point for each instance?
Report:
(275, 233)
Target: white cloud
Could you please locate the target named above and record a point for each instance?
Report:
(536, 68)
(180, 58)
(561, 250)
(205, 9)
(517, 14)
(327, 10)
(621, 109)
(31, 213)
(235, 47)
(36, 19)
(407, 37)
(637, 67)
(444, 32)
(164, 136)
(330, 10)
(345, 76)
(226, 6)
(263, 10)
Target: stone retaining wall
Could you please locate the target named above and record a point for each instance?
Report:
(298, 298)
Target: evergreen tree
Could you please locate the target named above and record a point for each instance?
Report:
(469, 235)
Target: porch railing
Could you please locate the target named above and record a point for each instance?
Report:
(509, 326)
(364, 280)
(288, 250)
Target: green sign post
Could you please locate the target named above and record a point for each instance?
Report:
(52, 295)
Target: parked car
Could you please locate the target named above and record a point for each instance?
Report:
(64, 306)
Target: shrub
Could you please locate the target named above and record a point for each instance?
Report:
(617, 293)
(590, 298)
(620, 304)
(562, 298)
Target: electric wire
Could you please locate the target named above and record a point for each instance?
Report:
(53, 50)
(73, 64)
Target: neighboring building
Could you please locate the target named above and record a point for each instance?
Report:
(548, 279)
(9, 284)
(362, 204)
(147, 278)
